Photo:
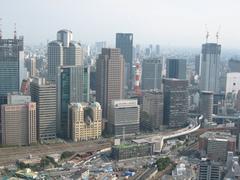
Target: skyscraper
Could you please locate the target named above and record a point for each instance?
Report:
(176, 68)
(153, 106)
(63, 51)
(234, 65)
(197, 64)
(175, 102)
(151, 74)
(44, 94)
(11, 64)
(124, 41)
(210, 59)
(85, 121)
(110, 78)
(72, 86)
(18, 123)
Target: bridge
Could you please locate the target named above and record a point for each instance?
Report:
(158, 140)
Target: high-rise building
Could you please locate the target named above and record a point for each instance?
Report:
(234, 65)
(157, 50)
(206, 104)
(210, 59)
(153, 106)
(72, 86)
(176, 68)
(124, 117)
(11, 66)
(175, 102)
(63, 51)
(151, 74)
(85, 121)
(44, 94)
(124, 41)
(233, 83)
(31, 67)
(197, 64)
(18, 121)
(109, 77)
(209, 170)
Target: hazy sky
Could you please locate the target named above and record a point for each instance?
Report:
(167, 22)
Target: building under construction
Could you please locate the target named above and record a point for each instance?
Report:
(125, 151)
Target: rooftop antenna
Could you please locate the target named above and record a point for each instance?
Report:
(207, 33)
(0, 28)
(217, 34)
(15, 31)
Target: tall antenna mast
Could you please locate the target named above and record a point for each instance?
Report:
(0, 28)
(15, 31)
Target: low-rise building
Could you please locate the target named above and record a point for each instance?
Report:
(125, 151)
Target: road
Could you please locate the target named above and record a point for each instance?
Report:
(11, 154)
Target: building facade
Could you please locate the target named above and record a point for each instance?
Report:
(44, 94)
(85, 121)
(176, 68)
(209, 170)
(11, 66)
(109, 78)
(175, 102)
(124, 117)
(210, 59)
(206, 104)
(18, 124)
(153, 106)
(72, 86)
(151, 74)
(124, 41)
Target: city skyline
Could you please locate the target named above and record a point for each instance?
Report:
(157, 26)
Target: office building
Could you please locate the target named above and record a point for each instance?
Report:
(153, 106)
(216, 145)
(44, 94)
(232, 84)
(11, 66)
(210, 59)
(85, 121)
(151, 74)
(124, 117)
(234, 65)
(206, 104)
(18, 121)
(124, 41)
(176, 68)
(157, 50)
(63, 51)
(175, 102)
(209, 170)
(99, 46)
(197, 64)
(72, 86)
(31, 67)
(109, 78)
